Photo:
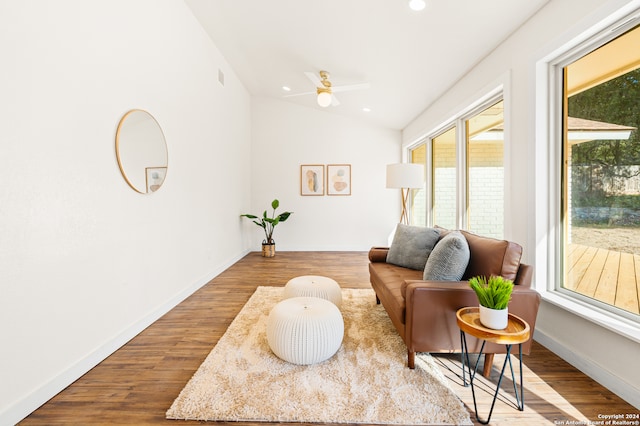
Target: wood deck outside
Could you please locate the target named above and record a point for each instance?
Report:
(609, 276)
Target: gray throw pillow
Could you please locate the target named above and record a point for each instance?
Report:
(411, 246)
(449, 259)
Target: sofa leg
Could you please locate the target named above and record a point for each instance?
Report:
(377, 300)
(488, 362)
(411, 359)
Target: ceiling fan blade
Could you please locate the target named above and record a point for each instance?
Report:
(315, 78)
(358, 86)
(299, 94)
(334, 100)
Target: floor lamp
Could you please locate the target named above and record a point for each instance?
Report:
(405, 176)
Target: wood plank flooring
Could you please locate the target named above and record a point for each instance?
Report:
(608, 276)
(138, 383)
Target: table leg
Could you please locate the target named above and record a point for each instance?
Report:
(465, 357)
(462, 355)
(465, 351)
(519, 400)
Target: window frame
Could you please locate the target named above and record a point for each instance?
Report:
(458, 121)
(430, 196)
(549, 172)
(481, 108)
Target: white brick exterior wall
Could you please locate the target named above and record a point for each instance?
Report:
(485, 188)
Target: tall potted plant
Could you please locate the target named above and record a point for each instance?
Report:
(268, 224)
(494, 295)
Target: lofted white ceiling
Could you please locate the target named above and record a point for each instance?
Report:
(409, 58)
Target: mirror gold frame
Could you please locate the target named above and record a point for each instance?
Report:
(141, 150)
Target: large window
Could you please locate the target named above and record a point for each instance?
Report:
(418, 215)
(443, 168)
(600, 208)
(485, 171)
(465, 170)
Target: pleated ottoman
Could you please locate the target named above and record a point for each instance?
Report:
(314, 286)
(305, 330)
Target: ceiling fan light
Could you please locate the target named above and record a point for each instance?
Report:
(324, 99)
(417, 4)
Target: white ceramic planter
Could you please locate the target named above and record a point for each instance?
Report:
(496, 319)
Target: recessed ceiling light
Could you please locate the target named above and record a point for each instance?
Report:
(417, 4)
(286, 88)
(365, 109)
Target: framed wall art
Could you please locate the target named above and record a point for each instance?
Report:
(155, 176)
(339, 179)
(312, 179)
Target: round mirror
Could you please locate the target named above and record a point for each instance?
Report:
(142, 151)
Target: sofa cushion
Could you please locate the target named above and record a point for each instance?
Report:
(490, 256)
(387, 281)
(411, 246)
(448, 260)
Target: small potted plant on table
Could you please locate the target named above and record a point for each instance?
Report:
(494, 295)
(268, 224)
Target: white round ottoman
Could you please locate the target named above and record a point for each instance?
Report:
(305, 330)
(314, 286)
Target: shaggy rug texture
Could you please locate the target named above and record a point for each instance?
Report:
(366, 381)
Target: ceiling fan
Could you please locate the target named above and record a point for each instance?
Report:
(325, 90)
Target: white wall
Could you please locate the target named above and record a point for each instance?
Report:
(86, 262)
(602, 354)
(284, 136)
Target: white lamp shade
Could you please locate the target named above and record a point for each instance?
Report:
(405, 175)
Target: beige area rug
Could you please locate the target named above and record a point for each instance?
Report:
(366, 381)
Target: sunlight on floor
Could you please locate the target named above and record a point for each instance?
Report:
(538, 395)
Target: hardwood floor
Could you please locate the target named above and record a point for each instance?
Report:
(138, 383)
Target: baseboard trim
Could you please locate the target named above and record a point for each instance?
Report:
(615, 384)
(22, 408)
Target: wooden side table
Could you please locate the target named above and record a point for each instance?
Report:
(516, 333)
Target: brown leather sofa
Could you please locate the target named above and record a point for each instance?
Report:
(424, 312)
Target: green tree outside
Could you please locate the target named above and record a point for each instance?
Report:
(616, 101)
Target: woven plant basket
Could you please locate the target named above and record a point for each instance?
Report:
(268, 250)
